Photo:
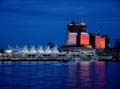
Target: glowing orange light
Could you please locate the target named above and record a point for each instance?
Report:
(100, 42)
(84, 39)
(88, 46)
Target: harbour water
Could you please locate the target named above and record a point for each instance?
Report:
(53, 75)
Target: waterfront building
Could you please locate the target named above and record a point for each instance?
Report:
(32, 50)
(40, 50)
(77, 36)
(55, 50)
(84, 38)
(24, 50)
(72, 38)
(100, 42)
(48, 50)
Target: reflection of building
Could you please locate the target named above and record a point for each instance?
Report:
(100, 73)
(78, 37)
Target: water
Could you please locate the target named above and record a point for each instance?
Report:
(41, 75)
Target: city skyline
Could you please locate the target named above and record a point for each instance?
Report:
(39, 22)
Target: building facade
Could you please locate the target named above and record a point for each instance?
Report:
(78, 36)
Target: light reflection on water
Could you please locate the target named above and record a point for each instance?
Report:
(87, 75)
(51, 75)
(100, 75)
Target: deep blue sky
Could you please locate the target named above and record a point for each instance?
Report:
(40, 21)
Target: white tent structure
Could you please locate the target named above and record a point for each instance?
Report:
(11, 48)
(18, 49)
(33, 50)
(24, 50)
(55, 50)
(48, 50)
(40, 50)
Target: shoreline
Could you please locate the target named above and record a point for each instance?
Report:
(35, 60)
(54, 60)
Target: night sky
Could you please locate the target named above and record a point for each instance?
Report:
(36, 22)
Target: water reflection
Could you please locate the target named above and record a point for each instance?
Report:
(42, 75)
(86, 75)
(72, 76)
(100, 75)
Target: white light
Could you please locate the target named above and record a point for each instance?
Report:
(8, 51)
(71, 24)
(84, 33)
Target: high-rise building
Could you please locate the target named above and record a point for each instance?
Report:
(78, 36)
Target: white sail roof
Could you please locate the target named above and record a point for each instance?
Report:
(33, 50)
(40, 50)
(17, 48)
(48, 50)
(55, 50)
(25, 50)
(11, 48)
